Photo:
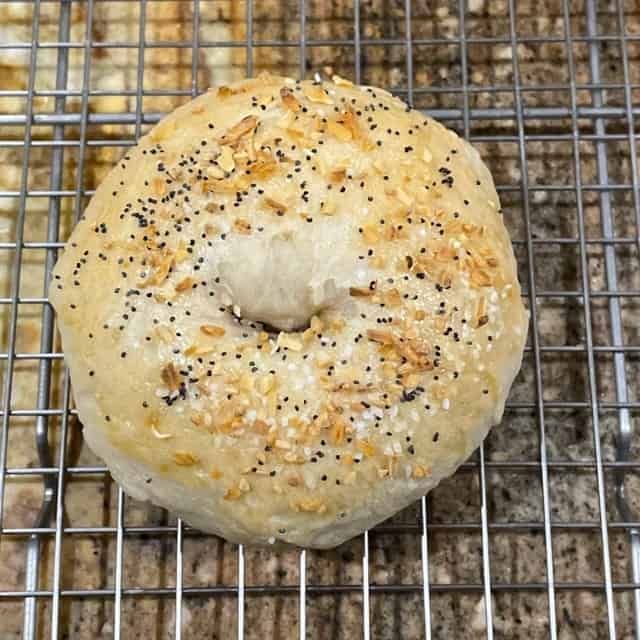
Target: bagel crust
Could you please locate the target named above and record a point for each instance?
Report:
(290, 310)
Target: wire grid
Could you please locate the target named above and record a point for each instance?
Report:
(538, 535)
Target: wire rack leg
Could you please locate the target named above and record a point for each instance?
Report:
(29, 625)
(634, 534)
(615, 316)
(29, 629)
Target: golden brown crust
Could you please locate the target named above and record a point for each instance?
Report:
(310, 434)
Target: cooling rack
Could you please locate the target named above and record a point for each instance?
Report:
(538, 534)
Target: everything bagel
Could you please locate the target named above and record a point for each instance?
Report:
(290, 310)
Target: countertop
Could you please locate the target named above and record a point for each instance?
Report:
(514, 495)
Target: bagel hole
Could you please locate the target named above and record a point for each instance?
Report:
(274, 332)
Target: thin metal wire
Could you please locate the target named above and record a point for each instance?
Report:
(179, 526)
(241, 592)
(249, 42)
(77, 210)
(302, 560)
(445, 114)
(320, 42)
(120, 508)
(486, 557)
(484, 516)
(511, 465)
(178, 616)
(584, 266)
(471, 89)
(496, 88)
(117, 608)
(424, 544)
(494, 137)
(357, 58)
(366, 588)
(408, 45)
(628, 102)
(241, 559)
(533, 297)
(142, 28)
(17, 261)
(20, 532)
(78, 202)
(43, 193)
(195, 49)
(33, 550)
(333, 589)
(633, 293)
(510, 406)
(57, 552)
(366, 614)
(302, 44)
(302, 603)
(517, 243)
(424, 555)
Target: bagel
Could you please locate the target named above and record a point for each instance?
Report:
(290, 310)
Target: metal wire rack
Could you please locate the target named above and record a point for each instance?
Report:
(538, 535)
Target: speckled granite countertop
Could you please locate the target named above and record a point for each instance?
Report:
(514, 494)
